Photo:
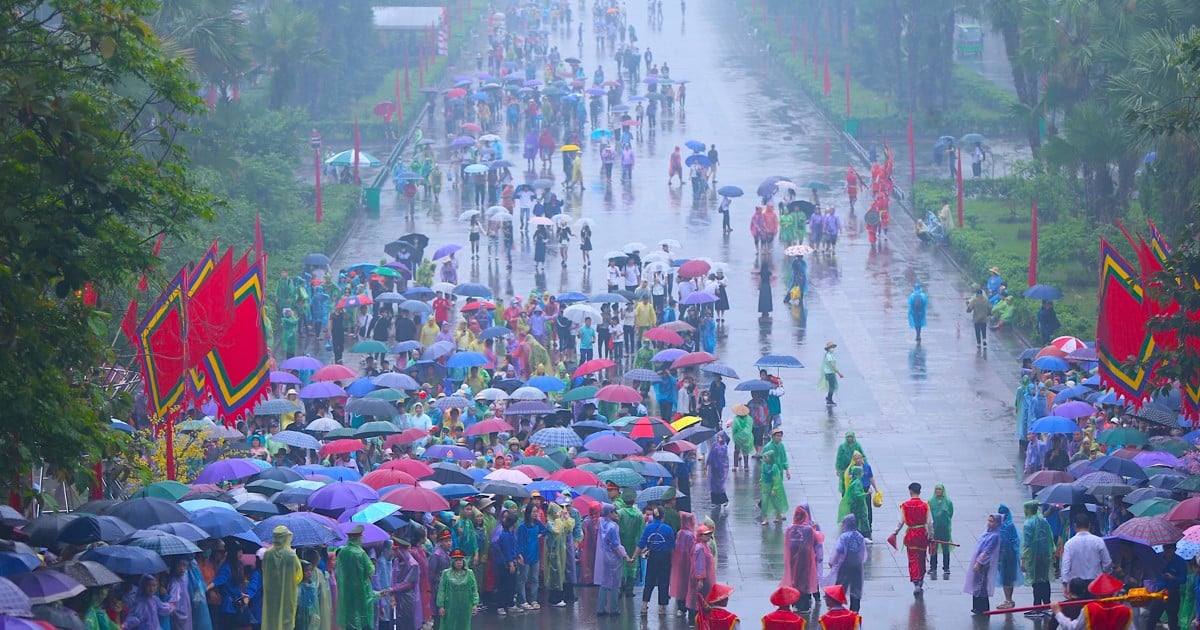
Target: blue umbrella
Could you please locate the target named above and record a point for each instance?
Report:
(548, 485)
(443, 451)
(1078, 391)
(668, 355)
(601, 133)
(186, 531)
(730, 191)
(466, 359)
(1054, 424)
(720, 369)
(419, 292)
(756, 385)
(1042, 292)
(699, 159)
(220, 523)
(125, 560)
(593, 492)
(778, 361)
(695, 145)
(547, 384)
(494, 332)
(471, 289)
(1104, 398)
(306, 531)
(361, 387)
(556, 436)
(337, 473)
(12, 563)
(407, 346)
(1120, 466)
(415, 306)
(768, 187)
(572, 296)
(395, 380)
(477, 474)
(452, 491)
(438, 350)
(1051, 364)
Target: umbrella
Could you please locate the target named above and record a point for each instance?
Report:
(323, 425)
(417, 499)
(701, 160)
(730, 191)
(454, 491)
(275, 407)
(167, 544)
(126, 560)
(622, 477)
(668, 355)
(346, 158)
(1054, 424)
(1063, 494)
(556, 436)
(396, 380)
(13, 563)
(648, 427)
(655, 493)
(585, 392)
(341, 496)
(528, 393)
(322, 390)
(972, 138)
(1186, 513)
(90, 529)
(194, 505)
(698, 297)
(694, 269)
(1074, 409)
(220, 522)
(43, 531)
(414, 467)
(1043, 478)
(1151, 530)
(642, 375)
(1156, 415)
(1119, 466)
(145, 512)
(374, 512)
(296, 439)
(378, 428)
(546, 383)
(384, 477)
(89, 573)
(778, 361)
(693, 359)
(509, 475)
(187, 531)
(444, 451)
(494, 332)
(1156, 458)
(469, 289)
(306, 531)
(372, 407)
(720, 369)
(1142, 494)
(755, 385)
(611, 298)
(619, 394)
(592, 366)
(466, 359)
(1152, 507)
(575, 477)
(694, 434)
(448, 473)
(1051, 364)
(492, 425)
(613, 445)
(315, 260)
(1122, 435)
(1042, 292)
(45, 586)
(284, 378)
(168, 490)
(1091, 480)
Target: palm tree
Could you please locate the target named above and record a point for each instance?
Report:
(285, 42)
(212, 34)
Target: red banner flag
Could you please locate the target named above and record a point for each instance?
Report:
(161, 347)
(357, 149)
(794, 43)
(1121, 326)
(958, 180)
(317, 168)
(1033, 244)
(238, 366)
(209, 314)
(912, 150)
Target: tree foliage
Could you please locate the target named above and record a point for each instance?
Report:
(90, 172)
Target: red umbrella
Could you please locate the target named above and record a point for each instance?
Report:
(1050, 351)
(471, 127)
(679, 447)
(663, 335)
(495, 425)
(341, 447)
(533, 472)
(476, 305)
(692, 359)
(575, 477)
(1151, 530)
(1186, 513)
(595, 365)
(648, 427)
(694, 269)
(583, 503)
(385, 477)
(414, 467)
(1126, 453)
(630, 123)
(407, 436)
(457, 93)
(417, 499)
(678, 326)
(1046, 478)
(334, 372)
(619, 394)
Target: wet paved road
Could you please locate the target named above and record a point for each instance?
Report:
(935, 413)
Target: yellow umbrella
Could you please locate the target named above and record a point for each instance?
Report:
(685, 422)
(569, 147)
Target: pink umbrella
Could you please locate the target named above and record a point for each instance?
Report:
(663, 335)
(693, 358)
(619, 394)
(334, 372)
(495, 425)
(417, 499)
(414, 467)
(694, 269)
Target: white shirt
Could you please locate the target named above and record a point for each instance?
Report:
(525, 199)
(1084, 556)
(632, 277)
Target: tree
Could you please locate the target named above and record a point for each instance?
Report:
(286, 42)
(90, 108)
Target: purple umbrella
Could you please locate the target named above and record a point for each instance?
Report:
(372, 534)
(595, 91)
(46, 586)
(442, 451)
(399, 266)
(303, 362)
(462, 141)
(613, 445)
(698, 297)
(1156, 458)
(322, 389)
(342, 495)
(17, 623)
(1074, 409)
(227, 470)
(446, 251)
(284, 378)
(669, 355)
(532, 83)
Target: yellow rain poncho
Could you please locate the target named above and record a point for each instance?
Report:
(281, 574)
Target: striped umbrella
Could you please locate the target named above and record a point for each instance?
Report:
(556, 436)
(1151, 530)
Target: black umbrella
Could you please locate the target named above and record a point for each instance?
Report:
(509, 385)
(445, 472)
(694, 434)
(147, 511)
(88, 573)
(806, 207)
(316, 260)
(416, 239)
(43, 531)
(1121, 466)
(402, 250)
(504, 488)
(1064, 494)
(89, 529)
(282, 475)
(1155, 414)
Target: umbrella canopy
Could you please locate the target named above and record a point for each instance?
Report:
(1119, 466)
(126, 560)
(46, 586)
(693, 359)
(1153, 506)
(527, 393)
(346, 158)
(337, 371)
(340, 496)
(622, 477)
(1043, 478)
(417, 499)
(510, 475)
(613, 444)
(528, 408)
(1187, 513)
(556, 436)
(220, 522)
(1074, 409)
(619, 394)
(167, 490)
(383, 477)
(694, 434)
(323, 389)
(145, 512)
(1042, 292)
(1063, 494)
(492, 425)
(414, 467)
(648, 427)
(306, 531)
(163, 543)
(89, 573)
(504, 488)
(186, 531)
(14, 563)
(592, 366)
(1123, 435)
(655, 493)
(227, 470)
(1151, 530)
(448, 473)
(43, 531)
(1054, 424)
(90, 529)
(396, 380)
(296, 439)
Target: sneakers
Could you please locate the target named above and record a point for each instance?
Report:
(535, 606)
(645, 609)
(561, 604)
(516, 609)
(501, 612)
(527, 606)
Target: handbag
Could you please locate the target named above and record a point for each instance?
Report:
(877, 499)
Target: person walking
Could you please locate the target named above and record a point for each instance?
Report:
(980, 309)
(610, 558)
(800, 559)
(915, 515)
(981, 576)
(281, 573)
(941, 509)
(764, 290)
(656, 545)
(717, 466)
(830, 374)
(1037, 560)
(742, 427)
(846, 565)
(355, 598)
(703, 575)
(681, 560)
(917, 302)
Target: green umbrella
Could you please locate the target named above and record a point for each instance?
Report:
(346, 158)
(595, 468)
(1124, 436)
(547, 464)
(580, 393)
(370, 346)
(337, 434)
(1152, 507)
(622, 477)
(378, 428)
(389, 394)
(387, 272)
(1191, 484)
(166, 490)
(266, 487)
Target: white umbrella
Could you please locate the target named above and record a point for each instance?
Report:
(671, 243)
(540, 221)
(578, 312)
(443, 287)
(495, 209)
(489, 137)
(468, 215)
(786, 185)
(615, 254)
(582, 222)
(528, 393)
(503, 215)
(655, 265)
(561, 219)
(492, 394)
(635, 246)
(659, 256)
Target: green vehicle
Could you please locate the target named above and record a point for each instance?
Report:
(969, 40)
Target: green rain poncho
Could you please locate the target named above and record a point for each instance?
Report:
(630, 524)
(644, 357)
(355, 598)
(778, 453)
(281, 573)
(457, 594)
(941, 509)
(94, 618)
(468, 540)
(1037, 550)
(743, 433)
(854, 499)
(773, 499)
(845, 454)
(554, 564)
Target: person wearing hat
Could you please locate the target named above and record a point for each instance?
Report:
(406, 585)
(613, 491)
(703, 574)
(1098, 614)
(281, 573)
(458, 594)
(917, 517)
(829, 373)
(994, 283)
(742, 428)
(782, 618)
(438, 562)
(838, 617)
(671, 513)
(630, 523)
(610, 560)
(355, 597)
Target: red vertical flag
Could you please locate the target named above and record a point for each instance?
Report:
(847, 90)
(912, 153)
(1033, 244)
(357, 149)
(794, 43)
(129, 323)
(803, 40)
(958, 178)
(317, 168)
(827, 88)
(816, 57)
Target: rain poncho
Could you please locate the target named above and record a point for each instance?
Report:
(610, 554)
(718, 470)
(981, 572)
(145, 609)
(743, 433)
(846, 566)
(630, 523)
(200, 615)
(702, 576)
(1009, 555)
(458, 595)
(845, 454)
(941, 509)
(591, 532)
(854, 498)
(181, 602)
(917, 303)
(799, 554)
(406, 580)
(281, 573)
(681, 556)
(773, 497)
(1038, 548)
(555, 563)
(355, 599)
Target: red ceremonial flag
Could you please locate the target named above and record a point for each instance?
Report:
(161, 347)
(129, 323)
(209, 313)
(399, 103)
(1033, 244)
(958, 179)
(357, 149)
(1121, 326)
(827, 86)
(847, 90)
(912, 150)
(317, 168)
(238, 365)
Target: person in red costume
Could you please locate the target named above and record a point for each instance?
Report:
(852, 182)
(713, 616)
(1098, 615)
(838, 617)
(783, 618)
(915, 515)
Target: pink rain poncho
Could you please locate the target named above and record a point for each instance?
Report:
(591, 531)
(610, 555)
(703, 575)
(681, 556)
(799, 554)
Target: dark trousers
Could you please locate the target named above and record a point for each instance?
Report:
(1041, 593)
(980, 604)
(585, 354)
(658, 574)
(933, 557)
(980, 332)
(506, 586)
(855, 603)
(831, 385)
(1171, 607)
(666, 409)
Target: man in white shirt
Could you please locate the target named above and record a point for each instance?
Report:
(525, 203)
(1084, 556)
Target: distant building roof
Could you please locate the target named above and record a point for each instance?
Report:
(407, 18)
